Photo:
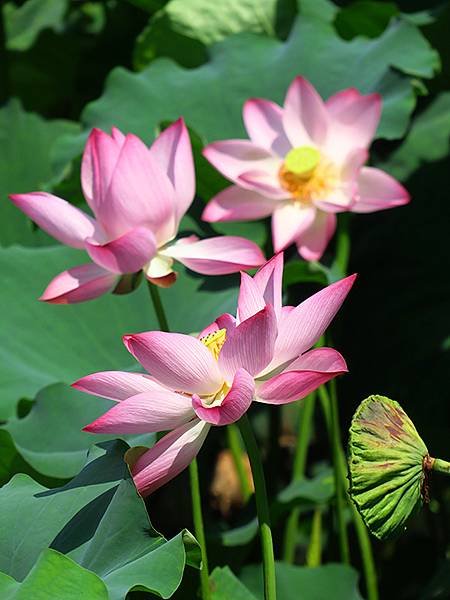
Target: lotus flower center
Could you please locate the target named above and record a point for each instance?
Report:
(214, 342)
(307, 175)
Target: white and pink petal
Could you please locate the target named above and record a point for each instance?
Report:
(354, 119)
(79, 284)
(235, 157)
(172, 149)
(218, 255)
(140, 193)
(305, 118)
(147, 412)
(312, 242)
(238, 204)
(63, 221)
(116, 385)
(263, 120)
(168, 457)
(301, 327)
(177, 361)
(234, 404)
(289, 222)
(376, 190)
(251, 345)
(127, 253)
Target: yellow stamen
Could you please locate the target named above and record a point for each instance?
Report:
(214, 341)
(216, 399)
(307, 175)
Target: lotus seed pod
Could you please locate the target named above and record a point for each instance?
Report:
(388, 464)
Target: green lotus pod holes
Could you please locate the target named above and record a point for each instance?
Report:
(389, 465)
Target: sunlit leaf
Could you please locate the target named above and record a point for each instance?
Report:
(26, 146)
(50, 437)
(98, 520)
(183, 29)
(55, 576)
(428, 139)
(41, 344)
(211, 96)
(24, 23)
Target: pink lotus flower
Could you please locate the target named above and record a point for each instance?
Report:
(138, 196)
(302, 165)
(263, 354)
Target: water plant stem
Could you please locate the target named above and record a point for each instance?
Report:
(234, 444)
(193, 467)
(329, 406)
(262, 507)
(158, 306)
(199, 528)
(298, 472)
(442, 466)
(364, 543)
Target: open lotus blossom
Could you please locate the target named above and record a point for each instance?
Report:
(138, 196)
(263, 354)
(304, 163)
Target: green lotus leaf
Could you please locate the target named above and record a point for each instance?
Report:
(386, 460)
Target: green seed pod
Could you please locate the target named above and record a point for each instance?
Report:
(389, 464)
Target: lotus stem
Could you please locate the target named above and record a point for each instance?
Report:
(439, 465)
(343, 244)
(199, 528)
(193, 467)
(262, 508)
(298, 472)
(335, 442)
(234, 444)
(158, 306)
(314, 552)
(370, 575)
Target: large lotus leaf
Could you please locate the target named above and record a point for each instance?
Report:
(54, 576)
(26, 164)
(339, 582)
(24, 23)
(10, 460)
(386, 463)
(50, 437)
(41, 344)
(184, 28)
(211, 96)
(428, 139)
(225, 585)
(98, 520)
